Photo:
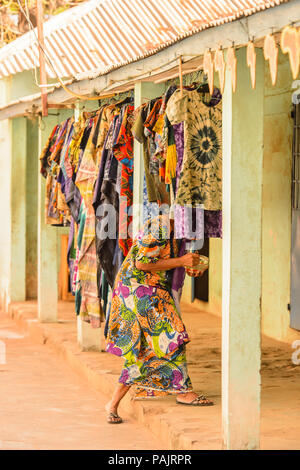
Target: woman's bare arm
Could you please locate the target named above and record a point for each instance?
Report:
(161, 265)
(189, 260)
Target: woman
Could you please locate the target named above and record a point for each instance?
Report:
(145, 326)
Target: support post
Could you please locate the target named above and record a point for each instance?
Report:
(142, 92)
(88, 338)
(18, 210)
(242, 254)
(42, 62)
(47, 244)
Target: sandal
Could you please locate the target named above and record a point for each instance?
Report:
(113, 418)
(201, 400)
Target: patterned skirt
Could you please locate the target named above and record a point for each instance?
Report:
(146, 329)
(157, 376)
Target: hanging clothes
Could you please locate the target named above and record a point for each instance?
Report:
(56, 209)
(201, 173)
(138, 131)
(87, 260)
(116, 162)
(123, 152)
(78, 155)
(106, 198)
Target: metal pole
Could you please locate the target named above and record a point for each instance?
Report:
(43, 74)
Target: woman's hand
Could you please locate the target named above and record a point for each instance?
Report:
(190, 260)
(194, 273)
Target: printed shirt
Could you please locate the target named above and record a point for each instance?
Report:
(201, 172)
(123, 151)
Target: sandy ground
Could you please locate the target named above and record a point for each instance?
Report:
(45, 405)
(62, 401)
(280, 396)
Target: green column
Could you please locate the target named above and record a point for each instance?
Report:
(242, 253)
(143, 91)
(47, 242)
(18, 210)
(32, 168)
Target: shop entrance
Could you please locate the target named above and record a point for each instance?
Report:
(295, 254)
(200, 284)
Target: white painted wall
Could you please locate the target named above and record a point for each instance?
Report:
(5, 214)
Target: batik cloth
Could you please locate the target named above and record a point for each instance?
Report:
(138, 133)
(145, 326)
(123, 152)
(201, 172)
(213, 224)
(179, 142)
(87, 261)
(73, 196)
(106, 207)
(56, 209)
(149, 124)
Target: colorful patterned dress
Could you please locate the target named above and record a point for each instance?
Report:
(145, 326)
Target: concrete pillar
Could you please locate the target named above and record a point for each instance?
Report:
(32, 169)
(143, 91)
(242, 253)
(47, 242)
(88, 338)
(18, 210)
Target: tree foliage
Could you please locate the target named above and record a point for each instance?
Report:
(13, 22)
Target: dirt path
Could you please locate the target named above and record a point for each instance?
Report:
(45, 405)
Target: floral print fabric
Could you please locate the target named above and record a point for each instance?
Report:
(145, 326)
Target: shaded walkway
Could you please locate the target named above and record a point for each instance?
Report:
(181, 427)
(45, 405)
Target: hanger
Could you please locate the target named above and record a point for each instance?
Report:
(203, 88)
(180, 75)
(127, 100)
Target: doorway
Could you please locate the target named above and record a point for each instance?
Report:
(200, 285)
(295, 247)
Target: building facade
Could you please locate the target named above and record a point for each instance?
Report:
(250, 275)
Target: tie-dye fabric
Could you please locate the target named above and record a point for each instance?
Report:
(201, 173)
(145, 326)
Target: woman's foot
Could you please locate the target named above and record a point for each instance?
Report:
(112, 414)
(192, 399)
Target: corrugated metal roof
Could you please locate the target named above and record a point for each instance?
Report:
(101, 35)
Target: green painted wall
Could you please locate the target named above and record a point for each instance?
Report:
(22, 84)
(276, 238)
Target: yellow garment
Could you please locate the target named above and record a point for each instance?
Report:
(87, 262)
(171, 162)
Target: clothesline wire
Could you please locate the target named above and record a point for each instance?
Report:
(76, 95)
(34, 72)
